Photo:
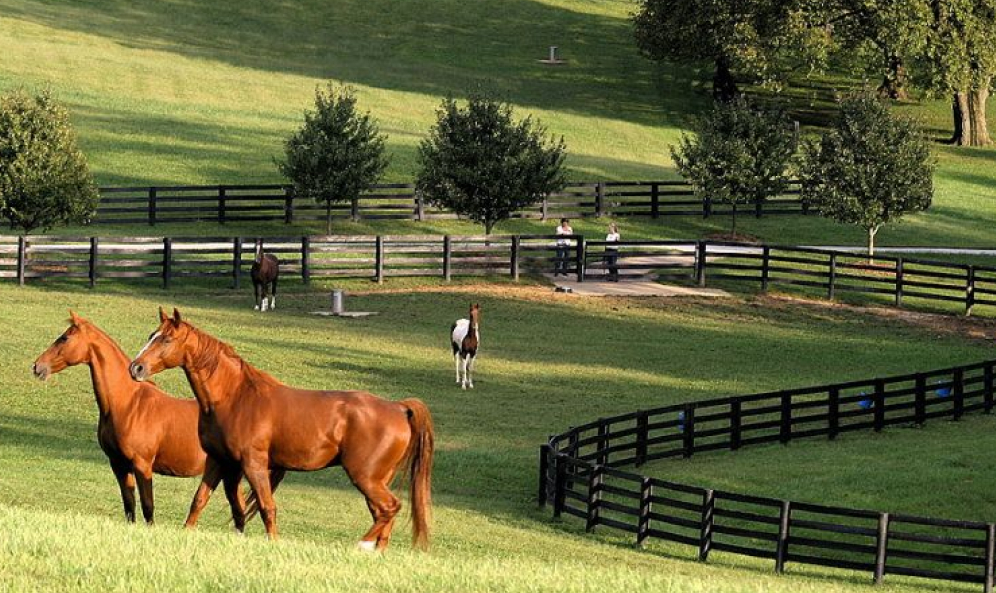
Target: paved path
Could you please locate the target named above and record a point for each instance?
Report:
(646, 287)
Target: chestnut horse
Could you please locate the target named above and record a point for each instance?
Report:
(251, 423)
(141, 429)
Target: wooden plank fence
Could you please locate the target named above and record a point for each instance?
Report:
(580, 476)
(400, 201)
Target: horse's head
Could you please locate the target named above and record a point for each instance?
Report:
(165, 348)
(475, 314)
(69, 349)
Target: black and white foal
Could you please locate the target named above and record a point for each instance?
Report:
(264, 272)
(465, 337)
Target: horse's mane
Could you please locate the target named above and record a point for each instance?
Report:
(212, 350)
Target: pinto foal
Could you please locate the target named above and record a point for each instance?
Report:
(264, 272)
(465, 337)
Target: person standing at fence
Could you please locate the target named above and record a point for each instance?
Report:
(612, 253)
(563, 246)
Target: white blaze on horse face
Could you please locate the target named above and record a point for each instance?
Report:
(146, 347)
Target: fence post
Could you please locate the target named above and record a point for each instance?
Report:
(221, 204)
(167, 261)
(642, 434)
(833, 413)
(447, 258)
(990, 549)
(688, 442)
(987, 388)
(379, 255)
(958, 393)
(599, 199)
(515, 258)
(708, 519)
(758, 208)
(579, 258)
(603, 443)
(544, 474)
(236, 262)
(419, 207)
(899, 282)
(920, 402)
(784, 524)
(596, 477)
(22, 256)
(879, 403)
(785, 427)
(832, 276)
(881, 547)
(288, 204)
(354, 209)
(306, 259)
(559, 486)
(706, 207)
(646, 507)
(736, 419)
(970, 290)
(93, 261)
(152, 206)
(700, 263)
(765, 267)
(655, 200)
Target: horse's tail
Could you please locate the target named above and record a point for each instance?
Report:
(419, 461)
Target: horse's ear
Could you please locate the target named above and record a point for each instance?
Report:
(162, 315)
(176, 316)
(74, 318)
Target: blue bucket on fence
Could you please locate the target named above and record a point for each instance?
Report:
(681, 422)
(866, 403)
(942, 392)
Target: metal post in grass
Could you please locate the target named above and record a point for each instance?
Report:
(514, 259)
(989, 561)
(167, 261)
(833, 413)
(596, 478)
(879, 404)
(736, 420)
(152, 206)
(379, 257)
(970, 290)
(785, 424)
(958, 394)
(920, 400)
(288, 204)
(832, 276)
(700, 263)
(221, 204)
(688, 442)
(881, 547)
(899, 282)
(236, 262)
(784, 525)
(765, 267)
(646, 507)
(93, 261)
(987, 388)
(447, 258)
(22, 255)
(707, 524)
(306, 259)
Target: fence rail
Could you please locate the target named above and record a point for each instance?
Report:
(580, 476)
(241, 203)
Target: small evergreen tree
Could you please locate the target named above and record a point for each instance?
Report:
(337, 154)
(44, 177)
(739, 154)
(481, 164)
(870, 168)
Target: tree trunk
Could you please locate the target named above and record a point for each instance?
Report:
(894, 82)
(977, 99)
(328, 217)
(871, 243)
(962, 121)
(733, 232)
(724, 86)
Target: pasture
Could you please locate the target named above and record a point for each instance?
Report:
(545, 364)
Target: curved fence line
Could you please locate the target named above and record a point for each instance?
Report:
(580, 476)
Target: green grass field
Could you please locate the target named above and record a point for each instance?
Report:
(547, 363)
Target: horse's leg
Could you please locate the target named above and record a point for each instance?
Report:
(456, 361)
(232, 480)
(143, 476)
(255, 292)
(258, 474)
(466, 369)
(264, 286)
(273, 295)
(470, 370)
(209, 481)
(384, 507)
(126, 482)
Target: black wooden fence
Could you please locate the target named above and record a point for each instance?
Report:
(239, 203)
(579, 476)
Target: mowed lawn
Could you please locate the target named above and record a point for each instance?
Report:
(547, 362)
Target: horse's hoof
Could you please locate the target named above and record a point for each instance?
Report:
(463, 386)
(365, 546)
(255, 308)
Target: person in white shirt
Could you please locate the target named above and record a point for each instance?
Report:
(612, 253)
(563, 246)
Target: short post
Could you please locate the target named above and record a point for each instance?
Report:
(221, 204)
(899, 282)
(784, 524)
(379, 255)
(970, 290)
(990, 549)
(832, 276)
(765, 267)
(306, 259)
(152, 206)
(167, 261)
(579, 258)
(288, 204)
(236, 262)
(833, 413)
(736, 421)
(642, 434)
(514, 263)
(543, 474)
(596, 477)
(700, 263)
(447, 258)
(881, 547)
(688, 441)
(355, 208)
(646, 507)
(599, 199)
(708, 522)
(93, 261)
(785, 426)
(338, 301)
(987, 388)
(958, 394)
(920, 400)
(655, 200)
(22, 256)
(879, 403)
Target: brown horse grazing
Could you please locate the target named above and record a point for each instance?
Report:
(252, 423)
(142, 430)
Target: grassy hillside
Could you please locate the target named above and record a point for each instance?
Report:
(546, 363)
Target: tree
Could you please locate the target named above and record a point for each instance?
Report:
(338, 152)
(480, 163)
(761, 38)
(870, 168)
(44, 177)
(739, 154)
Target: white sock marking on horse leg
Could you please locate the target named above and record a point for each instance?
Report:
(255, 307)
(263, 308)
(470, 371)
(273, 302)
(365, 546)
